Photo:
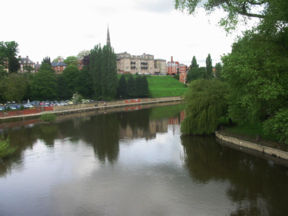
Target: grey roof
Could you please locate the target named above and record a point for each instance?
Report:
(55, 64)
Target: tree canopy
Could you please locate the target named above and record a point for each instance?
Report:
(270, 12)
(205, 104)
(8, 54)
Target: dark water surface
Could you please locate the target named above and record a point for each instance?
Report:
(134, 163)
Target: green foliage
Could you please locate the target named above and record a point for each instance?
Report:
(48, 117)
(272, 13)
(44, 85)
(70, 80)
(8, 53)
(206, 103)
(193, 72)
(277, 126)
(122, 88)
(218, 73)
(71, 61)
(165, 86)
(85, 87)
(5, 149)
(256, 71)
(102, 67)
(109, 79)
(131, 87)
(95, 69)
(77, 98)
(14, 87)
(209, 68)
(46, 60)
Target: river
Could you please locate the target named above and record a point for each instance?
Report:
(134, 163)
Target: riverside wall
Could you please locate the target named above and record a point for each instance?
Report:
(265, 150)
(87, 107)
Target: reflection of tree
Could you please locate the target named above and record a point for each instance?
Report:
(255, 185)
(103, 134)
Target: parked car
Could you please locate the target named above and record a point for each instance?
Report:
(28, 105)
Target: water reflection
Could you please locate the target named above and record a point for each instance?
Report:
(255, 185)
(134, 163)
(102, 132)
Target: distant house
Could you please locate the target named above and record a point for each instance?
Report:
(175, 68)
(26, 65)
(58, 67)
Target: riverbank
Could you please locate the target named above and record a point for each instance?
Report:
(60, 110)
(256, 148)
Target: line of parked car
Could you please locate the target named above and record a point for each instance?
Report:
(28, 105)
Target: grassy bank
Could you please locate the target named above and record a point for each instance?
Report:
(165, 86)
(251, 131)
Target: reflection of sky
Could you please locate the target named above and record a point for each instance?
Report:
(164, 149)
(149, 178)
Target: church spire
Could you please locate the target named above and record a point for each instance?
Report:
(108, 43)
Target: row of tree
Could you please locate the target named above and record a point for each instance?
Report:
(97, 80)
(195, 72)
(254, 89)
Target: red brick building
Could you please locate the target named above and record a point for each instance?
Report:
(174, 68)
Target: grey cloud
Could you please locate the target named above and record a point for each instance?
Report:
(157, 6)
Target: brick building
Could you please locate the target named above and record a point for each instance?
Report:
(175, 68)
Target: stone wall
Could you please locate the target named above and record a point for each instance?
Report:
(254, 146)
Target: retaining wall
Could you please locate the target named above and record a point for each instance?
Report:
(253, 146)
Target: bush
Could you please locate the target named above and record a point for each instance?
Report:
(277, 126)
(206, 104)
(48, 117)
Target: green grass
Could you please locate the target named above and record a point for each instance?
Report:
(48, 117)
(250, 130)
(165, 86)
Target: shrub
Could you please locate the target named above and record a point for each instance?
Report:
(206, 104)
(277, 126)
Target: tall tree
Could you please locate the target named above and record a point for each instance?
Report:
(109, 73)
(256, 71)
(44, 85)
(218, 70)
(85, 85)
(71, 60)
(122, 88)
(102, 67)
(193, 72)
(206, 103)
(209, 68)
(131, 86)
(14, 87)
(8, 52)
(71, 80)
(95, 69)
(46, 60)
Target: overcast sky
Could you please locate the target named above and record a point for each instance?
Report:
(66, 27)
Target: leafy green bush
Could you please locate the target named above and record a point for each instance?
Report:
(5, 148)
(206, 104)
(277, 126)
(48, 117)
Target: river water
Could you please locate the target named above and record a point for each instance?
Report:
(134, 163)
